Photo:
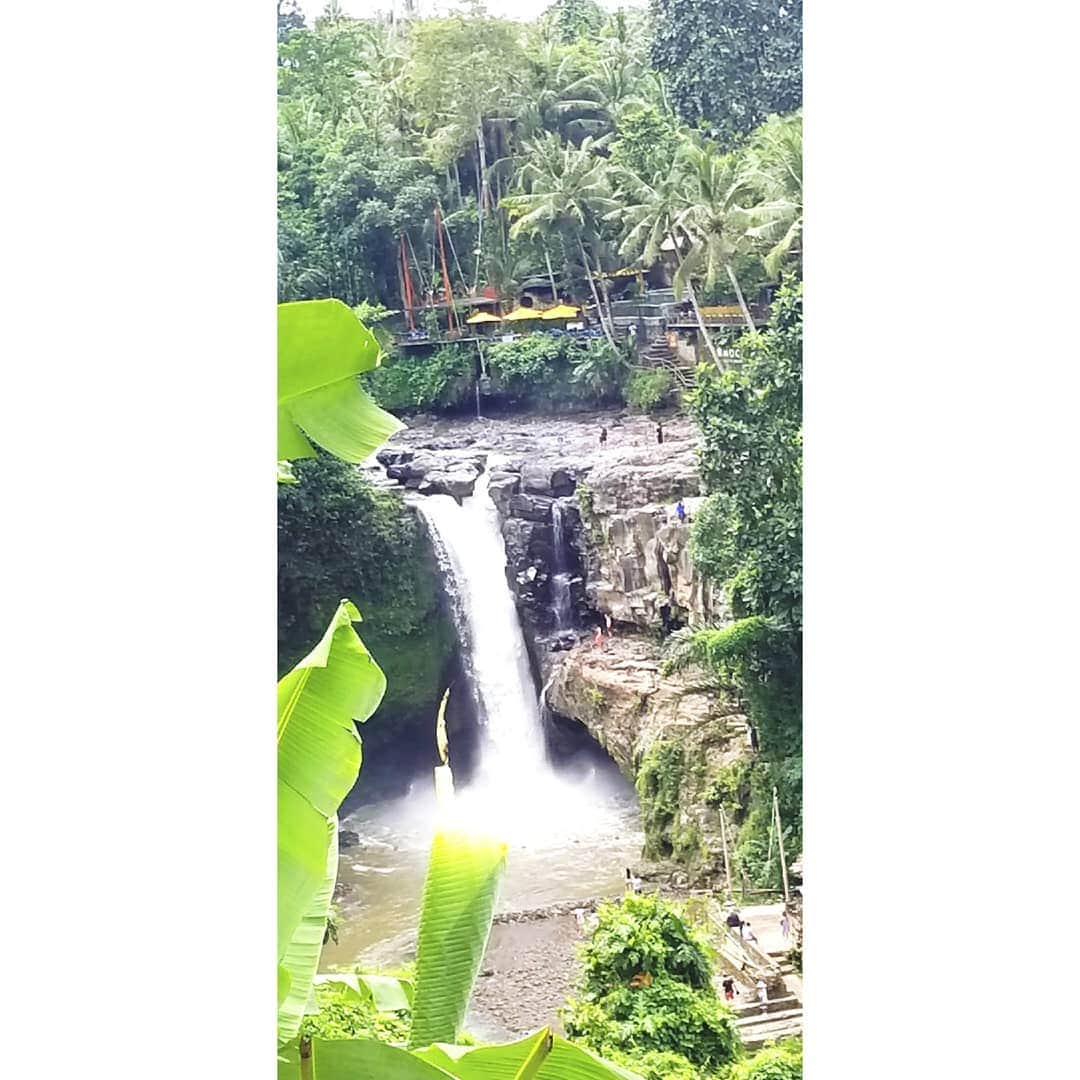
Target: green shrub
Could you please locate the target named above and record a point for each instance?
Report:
(643, 934)
(779, 1061)
(544, 369)
(656, 1064)
(666, 1016)
(528, 366)
(648, 388)
(598, 370)
(413, 381)
(343, 1015)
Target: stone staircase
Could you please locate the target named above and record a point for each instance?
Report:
(779, 1018)
(660, 354)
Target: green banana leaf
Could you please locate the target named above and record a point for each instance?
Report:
(387, 993)
(366, 1059)
(561, 1061)
(322, 347)
(288, 1062)
(318, 762)
(302, 953)
(462, 880)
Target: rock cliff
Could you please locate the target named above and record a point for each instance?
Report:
(678, 736)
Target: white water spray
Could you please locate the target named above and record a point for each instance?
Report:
(473, 546)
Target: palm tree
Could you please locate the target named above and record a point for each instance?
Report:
(564, 189)
(772, 166)
(713, 217)
(649, 216)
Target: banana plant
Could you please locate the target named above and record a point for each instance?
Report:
(322, 348)
(540, 1056)
(319, 756)
(463, 876)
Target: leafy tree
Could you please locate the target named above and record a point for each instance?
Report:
(772, 165)
(570, 20)
(730, 63)
(567, 190)
(748, 538)
(646, 142)
(289, 18)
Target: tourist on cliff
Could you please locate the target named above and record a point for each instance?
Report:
(728, 983)
(747, 933)
(680, 510)
(659, 433)
(607, 623)
(598, 638)
(603, 436)
(785, 925)
(733, 920)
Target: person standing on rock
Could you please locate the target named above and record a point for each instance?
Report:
(659, 432)
(607, 622)
(680, 511)
(598, 638)
(785, 925)
(728, 983)
(603, 436)
(763, 995)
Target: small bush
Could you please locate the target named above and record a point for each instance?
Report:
(666, 1016)
(643, 934)
(648, 388)
(343, 1015)
(407, 383)
(780, 1061)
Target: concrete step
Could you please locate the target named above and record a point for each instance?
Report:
(764, 1020)
(753, 1008)
(757, 1041)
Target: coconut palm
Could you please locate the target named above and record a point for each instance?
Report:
(772, 166)
(564, 189)
(649, 216)
(713, 217)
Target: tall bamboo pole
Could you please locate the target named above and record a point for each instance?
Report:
(727, 865)
(780, 839)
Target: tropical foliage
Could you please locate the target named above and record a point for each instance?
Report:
(647, 987)
(339, 536)
(748, 539)
(541, 145)
(730, 63)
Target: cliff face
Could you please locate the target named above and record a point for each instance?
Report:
(599, 523)
(674, 735)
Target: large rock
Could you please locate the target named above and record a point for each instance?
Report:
(456, 482)
(622, 697)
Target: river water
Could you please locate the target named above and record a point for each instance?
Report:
(571, 831)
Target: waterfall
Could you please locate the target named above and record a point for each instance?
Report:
(560, 580)
(472, 548)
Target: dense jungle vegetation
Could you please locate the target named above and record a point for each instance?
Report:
(561, 149)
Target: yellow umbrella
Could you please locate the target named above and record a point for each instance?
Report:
(560, 311)
(521, 314)
(481, 317)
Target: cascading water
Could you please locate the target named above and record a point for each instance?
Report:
(560, 580)
(497, 662)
